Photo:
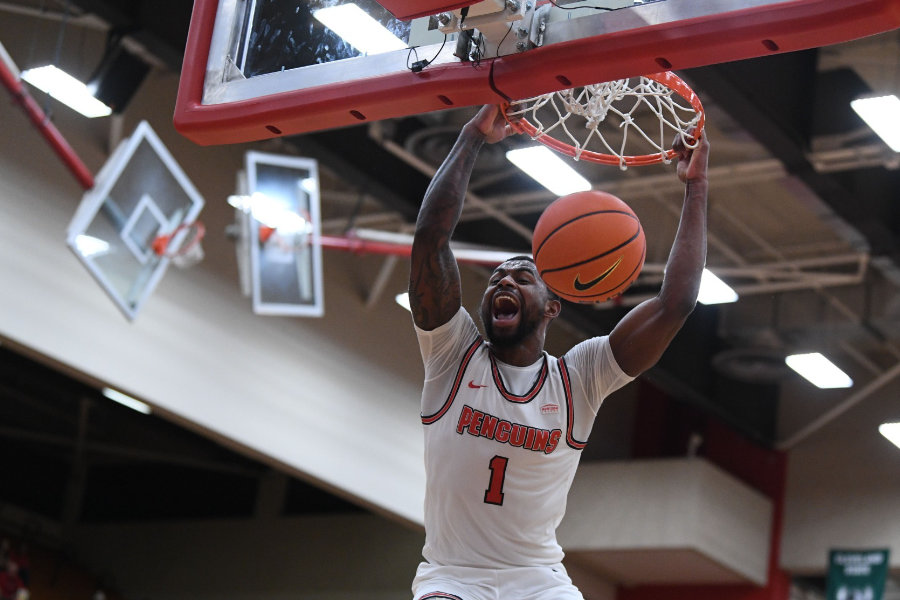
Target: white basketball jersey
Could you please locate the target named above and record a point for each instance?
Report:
(502, 444)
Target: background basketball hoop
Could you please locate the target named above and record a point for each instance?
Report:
(182, 245)
(626, 122)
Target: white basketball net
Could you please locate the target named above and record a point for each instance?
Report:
(625, 122)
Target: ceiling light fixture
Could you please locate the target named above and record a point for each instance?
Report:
(891, 431)
(882, 114)
(126, 400)
(358, 29)
(68, 90)
(715, 291)
(548, 169)
(403, 300)
(275, 213)
(818, 370)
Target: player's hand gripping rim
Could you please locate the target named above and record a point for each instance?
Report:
(692, 157)
(491, 124)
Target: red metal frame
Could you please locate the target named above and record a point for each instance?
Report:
(741, 34)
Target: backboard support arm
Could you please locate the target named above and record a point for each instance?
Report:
(670, 35)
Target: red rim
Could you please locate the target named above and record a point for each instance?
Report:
(666, 78)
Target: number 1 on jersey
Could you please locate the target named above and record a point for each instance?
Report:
(494, 493)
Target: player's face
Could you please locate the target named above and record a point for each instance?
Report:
(513, 303)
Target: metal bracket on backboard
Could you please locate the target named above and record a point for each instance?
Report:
(539, 25)
(504, 26)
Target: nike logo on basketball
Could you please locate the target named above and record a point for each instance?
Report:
(474, 385)
(586, 286)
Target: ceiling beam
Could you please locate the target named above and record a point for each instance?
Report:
(765, 96)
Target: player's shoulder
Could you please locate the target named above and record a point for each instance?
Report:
(460, 322)
(587, 353)
(450, 338)
(587, 345)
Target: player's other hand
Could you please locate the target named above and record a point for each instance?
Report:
(692, 163)
(491, 123)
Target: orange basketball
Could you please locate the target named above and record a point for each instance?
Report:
(588, 246)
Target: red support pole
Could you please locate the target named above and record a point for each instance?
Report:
(403, 248)
(40, 120)
(362, 246)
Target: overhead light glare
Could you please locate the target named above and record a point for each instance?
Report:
(125, 400)
(715, 291)
(274, 213)
(891, 431)
(310, 185)
(403, 300)
(882, 114)
(818, 370)
(358, 29)
(548, 169)
(68, 90)
(240, 202)
(90, 246)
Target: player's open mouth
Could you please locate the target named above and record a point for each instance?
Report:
(505, 307)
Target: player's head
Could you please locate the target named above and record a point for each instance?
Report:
(516, 302)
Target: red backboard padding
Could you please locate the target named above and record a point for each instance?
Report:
(748, 33)
(413, 9)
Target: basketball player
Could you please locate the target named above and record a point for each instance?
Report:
(504, 421)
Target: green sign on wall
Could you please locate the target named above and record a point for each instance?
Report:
(857, 574)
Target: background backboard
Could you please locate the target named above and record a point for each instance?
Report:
(239, 52)
(278, 237)
(139, 194)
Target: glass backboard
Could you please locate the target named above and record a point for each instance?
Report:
(313, 75)
(140, 194)
(279, 229)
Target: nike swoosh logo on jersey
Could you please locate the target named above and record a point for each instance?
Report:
(474, 385)
(586, 286)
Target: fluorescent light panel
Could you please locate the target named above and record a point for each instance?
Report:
(403, 300)
(818, 370)
(359, 29)
(126, 400)
(715, 291)
(274, 213)
(68, 90)
(548, 169)
(891, 431)
(882, 114)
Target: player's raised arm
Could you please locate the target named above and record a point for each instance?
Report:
(640, 338)
(434, 291)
